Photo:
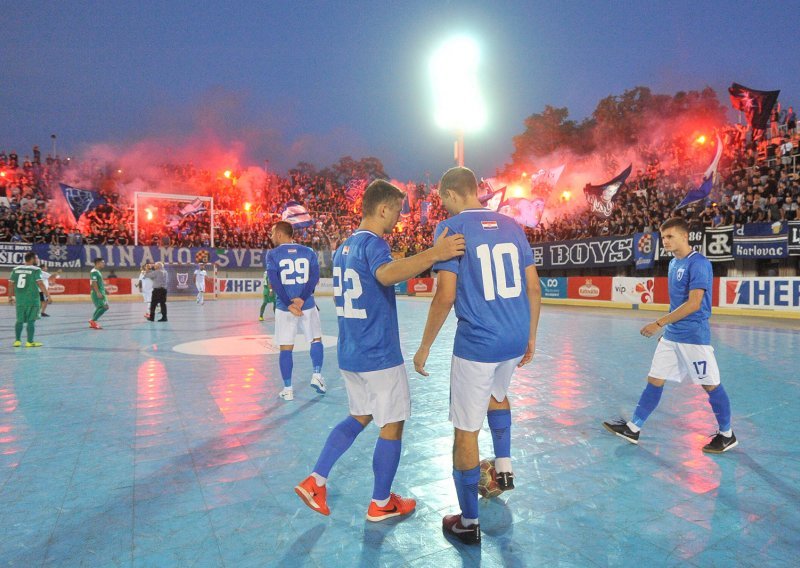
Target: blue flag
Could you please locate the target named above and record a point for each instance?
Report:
(698, 194)
(405, 209)
(297, 215)
(702, 192)
(81, 201)
(424, 212)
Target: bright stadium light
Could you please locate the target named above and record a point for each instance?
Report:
(459, 106)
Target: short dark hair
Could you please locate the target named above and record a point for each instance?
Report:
(378, 192)
(285, 227)
(98, 259)
(675, 223)
(461, 180)
(29, 256)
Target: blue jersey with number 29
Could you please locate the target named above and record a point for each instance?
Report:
(293, 272)
(369, 339)
(491, 295)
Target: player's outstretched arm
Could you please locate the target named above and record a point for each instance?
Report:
(534, 291)
(445, 248)
(689, 307)
(441, 304)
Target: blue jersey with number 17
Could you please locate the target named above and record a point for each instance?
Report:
(293, 272)
(491, 293)
(369, 339)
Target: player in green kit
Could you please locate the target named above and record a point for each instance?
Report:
(269, 297)
(26, 283)
(99, 298)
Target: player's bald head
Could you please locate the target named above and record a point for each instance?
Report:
(460, 180)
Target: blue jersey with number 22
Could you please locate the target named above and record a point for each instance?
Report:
(491, 295)
(369, 339)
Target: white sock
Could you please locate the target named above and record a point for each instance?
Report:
(633, 427)
(502, 465)
(382, 502)
(726, 433)
(319, 479)
(468, 522)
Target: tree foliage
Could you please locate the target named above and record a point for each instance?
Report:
(637, 117)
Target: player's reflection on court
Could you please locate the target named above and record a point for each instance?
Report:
(9, 438)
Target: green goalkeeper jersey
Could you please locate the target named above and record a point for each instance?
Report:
(269, 295)
(96, 276)
(25, 278)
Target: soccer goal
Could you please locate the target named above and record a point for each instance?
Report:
(171, 211)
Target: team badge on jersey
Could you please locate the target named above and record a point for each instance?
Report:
(489, 225)
(346, 249)
(679, 274)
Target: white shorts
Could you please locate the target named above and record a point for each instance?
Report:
(677, 361)
(383, 394)
(288, 325)
(472, 384)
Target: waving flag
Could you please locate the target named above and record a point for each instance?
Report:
(601, 197)
(547, 176)
(527, 212)
(405, 210)
(496, 195)
(756, 105)
(297, 215)
(702, 192)
(424, 212)
(354, 189)
(81, 201)
(193, 208)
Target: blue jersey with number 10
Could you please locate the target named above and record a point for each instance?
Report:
(491, 294)
(369, 339)
(293, 272)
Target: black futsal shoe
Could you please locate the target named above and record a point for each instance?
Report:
(620, 428)
(505, 480)
(451, 526)
(720, 443)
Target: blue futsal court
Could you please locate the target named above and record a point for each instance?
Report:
(141, 445)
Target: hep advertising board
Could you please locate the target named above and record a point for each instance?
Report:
(553, 287)
(633, 290)
(589, 288)
(779, 293)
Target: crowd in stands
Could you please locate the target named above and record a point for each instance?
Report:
(758, 181)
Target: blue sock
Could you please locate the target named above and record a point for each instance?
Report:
(286, 363)
(467, 490)
(339, 440)
(647, 404)
(316, 355)
(500, 425)
(721, 406)
(385, 460)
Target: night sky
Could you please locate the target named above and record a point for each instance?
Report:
(314, 81)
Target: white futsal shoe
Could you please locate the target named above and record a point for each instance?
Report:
(318, 383)
(287, 393)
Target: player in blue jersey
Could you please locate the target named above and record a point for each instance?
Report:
(293, 273)
(685, 349)
(497, 299)
(364, 276)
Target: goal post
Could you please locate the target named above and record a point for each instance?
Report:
(144, 195)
